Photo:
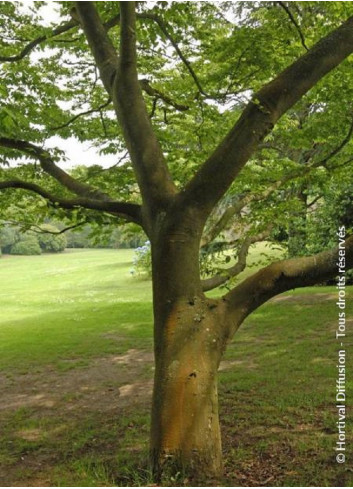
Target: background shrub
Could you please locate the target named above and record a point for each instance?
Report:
(51, 243)
(142, 262)
(27, 246)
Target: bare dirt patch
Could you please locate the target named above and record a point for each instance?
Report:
(106, 383)
(52, 402)
(232, 364)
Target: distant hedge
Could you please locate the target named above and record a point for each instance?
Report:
(28, 246)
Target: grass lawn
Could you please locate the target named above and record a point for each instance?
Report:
(76, 371)
(55, 307)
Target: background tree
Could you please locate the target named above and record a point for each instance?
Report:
(17, 240)
(178, 77)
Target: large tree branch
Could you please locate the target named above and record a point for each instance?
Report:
(99, 42)
(268, 105)
(286, 275)
(49, 166)
(128, 211)
(119, 75)
(236, 208)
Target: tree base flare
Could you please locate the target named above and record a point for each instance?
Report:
(177, 466)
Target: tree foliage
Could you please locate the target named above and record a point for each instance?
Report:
(198, 67)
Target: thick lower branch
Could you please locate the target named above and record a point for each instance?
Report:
(286, 275)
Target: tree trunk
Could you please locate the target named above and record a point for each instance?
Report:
(189, 342)
(185, 433)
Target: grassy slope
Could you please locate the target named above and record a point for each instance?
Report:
(277, 393)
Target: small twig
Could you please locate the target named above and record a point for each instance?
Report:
(334, 152)
(61, 29)
(36, 228)
(295, 23)
(154, 106)
(101, 170)
(87, 112)
(153, 92)
(165, 116)
(30, 46)
(314, 201)
(103, 123)
(168, 35)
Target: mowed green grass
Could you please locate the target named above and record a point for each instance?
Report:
(277, 389)
(55, 307)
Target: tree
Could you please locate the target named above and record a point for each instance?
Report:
(47, 238)
(8, 237)
(172, 123)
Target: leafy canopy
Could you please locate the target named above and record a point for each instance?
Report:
(199, 63)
